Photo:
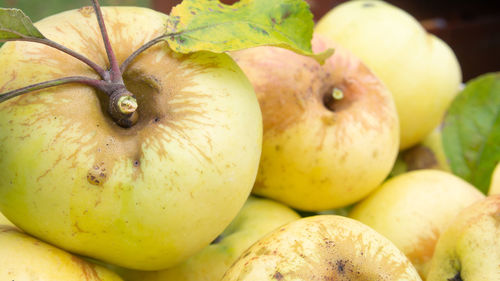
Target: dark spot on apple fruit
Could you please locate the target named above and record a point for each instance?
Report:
(137, 163)
(457, 277)
(368, 5)
(340, 266)
(278, 276)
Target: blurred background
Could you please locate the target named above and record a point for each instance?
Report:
(471, 28)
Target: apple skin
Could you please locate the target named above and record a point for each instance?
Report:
(469, 249)
(26, 258)
(257, 218)
(420, 70)
(495, 181)
(322, 247)
(414, 208)
(319, 155)
(146, 197)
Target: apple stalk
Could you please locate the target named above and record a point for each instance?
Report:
(123, 104)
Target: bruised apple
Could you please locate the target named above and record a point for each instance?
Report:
(145, 197)
(331, 132)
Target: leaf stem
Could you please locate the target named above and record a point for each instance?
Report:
(116, 75)
(55, 45)
(98, 84)
(125, 64)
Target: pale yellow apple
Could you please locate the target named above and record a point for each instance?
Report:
(495, 181)
(319, 151)
(469, 249)
(257, 218)
(420, 70)
(323, 247)
(24, 258)
(414, 208)
(146, 197)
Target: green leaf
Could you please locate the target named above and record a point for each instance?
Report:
(471, 133)
(209, 25)
(15, 25)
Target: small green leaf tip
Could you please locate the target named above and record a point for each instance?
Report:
(15, 25)
(471, 132)
(208, 25)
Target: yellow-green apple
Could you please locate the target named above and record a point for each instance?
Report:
(145, 197)
(420, 70)
(331, 131)
(23, 257)
(469, 249)
(257, 218)
(322, 247)
(414, 208)
(495, 181)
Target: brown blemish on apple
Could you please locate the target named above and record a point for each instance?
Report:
(88, 270)
(423, 249)
(8, 228)
(97, 174)
(86, 11)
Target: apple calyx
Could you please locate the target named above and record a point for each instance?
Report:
(122, 103)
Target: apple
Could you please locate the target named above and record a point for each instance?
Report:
(26, 258)
(414, 208)
(495, 181)
(322, 247)
(420, 70)
(331, 132)
(469, 249)
(257, 218)
(145, 197)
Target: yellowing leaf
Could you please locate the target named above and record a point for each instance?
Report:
(209, 25)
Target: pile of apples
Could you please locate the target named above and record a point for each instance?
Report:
(258, 164)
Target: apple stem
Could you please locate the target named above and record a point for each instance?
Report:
(99, 84)
(126, 63)
(103, 73)
(122, 103)
(116, 75)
